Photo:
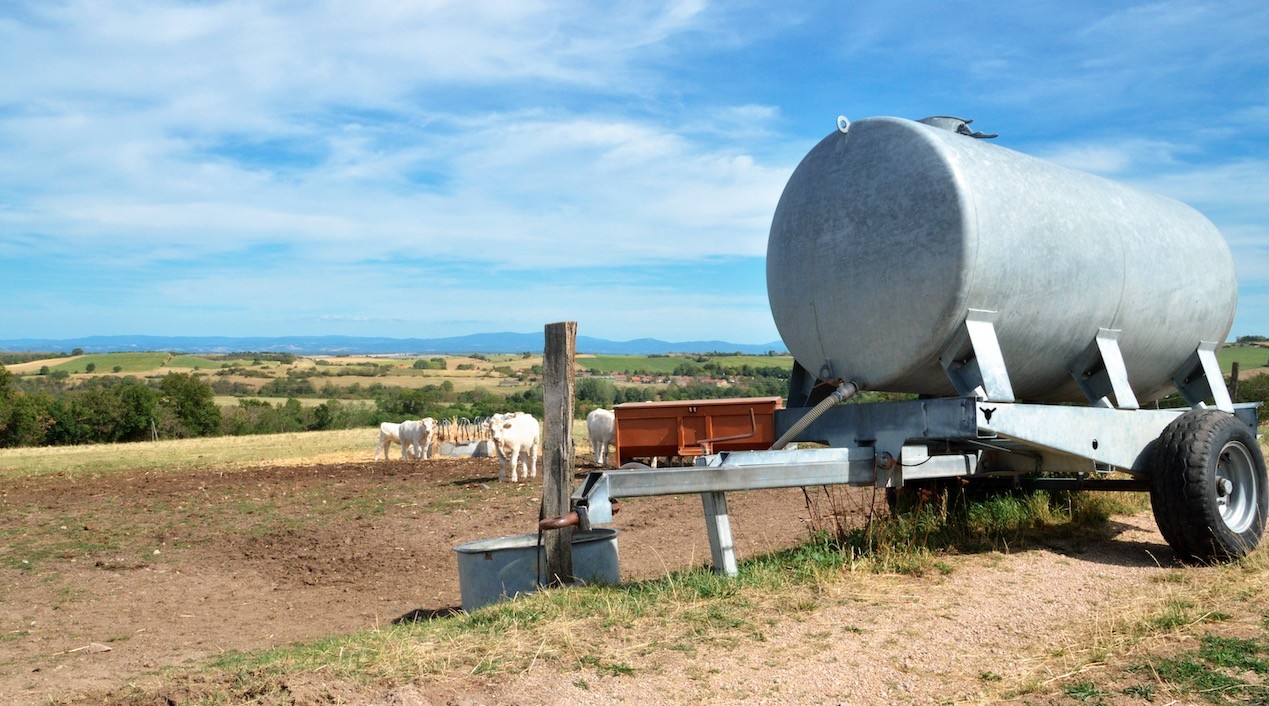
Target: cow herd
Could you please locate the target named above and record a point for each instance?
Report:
(516, 438)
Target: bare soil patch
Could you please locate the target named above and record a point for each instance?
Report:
(168, 567)
(106, 579)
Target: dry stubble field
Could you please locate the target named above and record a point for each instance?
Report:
(110, 578)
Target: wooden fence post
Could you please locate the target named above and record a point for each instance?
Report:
(558, 359)
(1233, 382)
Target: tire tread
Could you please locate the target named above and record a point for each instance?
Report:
(1181, 486)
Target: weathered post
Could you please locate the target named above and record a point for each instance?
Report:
(1233, 382)
(557, 447)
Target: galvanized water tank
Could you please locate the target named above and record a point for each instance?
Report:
(890, 231)
(490, 570)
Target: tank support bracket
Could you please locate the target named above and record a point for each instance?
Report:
(1200, 378)
(1100, 372)
(973, 360)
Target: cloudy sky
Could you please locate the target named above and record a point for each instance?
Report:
(422, 168)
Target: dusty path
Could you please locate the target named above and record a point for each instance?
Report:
(893, 640)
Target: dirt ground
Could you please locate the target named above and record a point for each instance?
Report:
(107, 578)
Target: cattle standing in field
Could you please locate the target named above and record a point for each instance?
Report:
(389, 434)
(514, 434)
(416, 438)
(487, 431)
(602, 427)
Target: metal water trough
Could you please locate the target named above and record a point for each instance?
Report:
(913, 257)
(491, 570)
(481, 448)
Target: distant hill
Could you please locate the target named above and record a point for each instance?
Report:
(353, 345)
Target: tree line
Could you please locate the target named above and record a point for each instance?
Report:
(45, 411)
(104, 409)
(48, 411)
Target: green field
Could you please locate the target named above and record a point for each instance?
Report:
(180, 454)
(145, 362)
(1248, 357)
(106, 362)
(193, 361)
(667, 364)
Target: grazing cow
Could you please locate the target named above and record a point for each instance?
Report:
(602, 427)
(513, 435)
(486, 430)
(389, 434)
(417, 437)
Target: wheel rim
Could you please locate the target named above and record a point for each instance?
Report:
(1236, 487)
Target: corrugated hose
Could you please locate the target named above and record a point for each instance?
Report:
(843, 392)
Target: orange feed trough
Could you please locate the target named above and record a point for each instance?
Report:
(695, 427)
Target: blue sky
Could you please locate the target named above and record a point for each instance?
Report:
(423, 169)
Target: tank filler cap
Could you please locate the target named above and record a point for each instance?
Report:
(960, 126)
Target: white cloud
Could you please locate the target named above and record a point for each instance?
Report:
(1109, 158)
(1219, 185)
(290, 152)
(121, 134)
(519, 193)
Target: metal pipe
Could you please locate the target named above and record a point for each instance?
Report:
(554, 523)
(843, 392)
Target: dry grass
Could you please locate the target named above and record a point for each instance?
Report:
(1155, 619)
(224, 451)
(231, 401)
(34, 365)
(213, 452)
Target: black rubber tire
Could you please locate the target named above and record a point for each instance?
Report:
(1191, 466)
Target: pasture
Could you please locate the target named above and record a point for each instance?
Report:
(290, 569)
(230, 401)
(608, 364)
(1250, 356)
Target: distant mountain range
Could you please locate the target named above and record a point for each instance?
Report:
(355, 345)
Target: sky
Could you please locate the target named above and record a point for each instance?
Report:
(427, 168)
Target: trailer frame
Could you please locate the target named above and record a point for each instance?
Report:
(981, 434)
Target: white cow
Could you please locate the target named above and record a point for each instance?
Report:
(487, 432)
(602, 427)
(513, 435)
(416, 437)
(389, 434)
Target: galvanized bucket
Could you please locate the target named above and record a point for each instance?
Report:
(490, 570)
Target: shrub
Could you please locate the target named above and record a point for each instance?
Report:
(190, 404)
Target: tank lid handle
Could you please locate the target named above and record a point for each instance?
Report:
(960, 126)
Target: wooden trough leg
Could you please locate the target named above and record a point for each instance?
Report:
(718, 524)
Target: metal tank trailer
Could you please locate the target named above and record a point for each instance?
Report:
(913, 256)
